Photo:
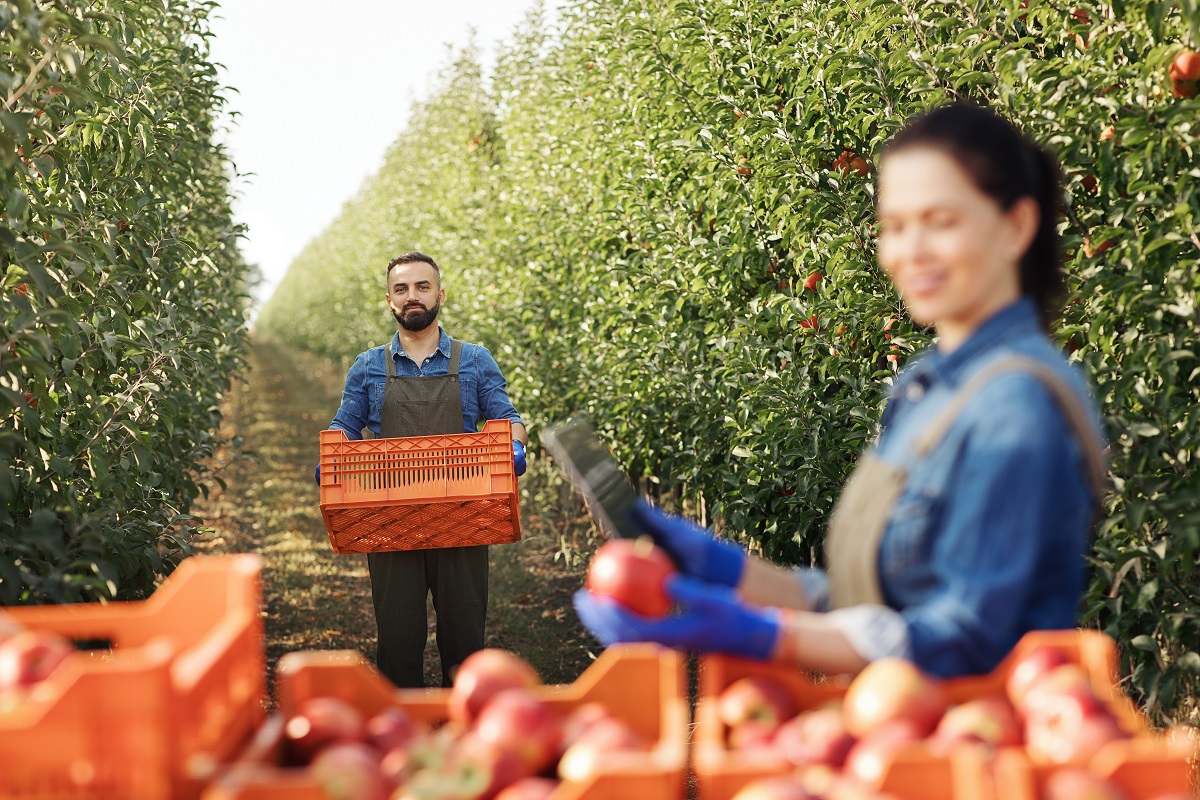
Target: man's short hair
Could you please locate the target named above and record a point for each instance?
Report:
(410, 257)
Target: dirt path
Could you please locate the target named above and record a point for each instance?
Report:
(316, 599)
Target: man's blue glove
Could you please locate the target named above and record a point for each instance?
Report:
(317, 475)
(710, 619)
(693, 549)
(518, 458)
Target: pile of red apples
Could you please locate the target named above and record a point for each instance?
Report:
(500, 741)
(1048, 707)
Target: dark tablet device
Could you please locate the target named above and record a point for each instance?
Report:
(594, 473)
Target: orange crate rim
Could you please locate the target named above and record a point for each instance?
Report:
(419, 492)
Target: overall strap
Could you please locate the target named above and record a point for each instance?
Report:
(390, 364)
(455, 356)
(1068, 401)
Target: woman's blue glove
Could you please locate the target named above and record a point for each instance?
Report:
(518, 458)
(693, 549)
(710, 619)
(317, 475)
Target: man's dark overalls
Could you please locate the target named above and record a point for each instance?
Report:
(457, 577)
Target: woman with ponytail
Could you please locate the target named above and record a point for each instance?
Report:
(967, 524)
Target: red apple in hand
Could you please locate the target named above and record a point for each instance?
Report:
(818, 736)
(27, 657)
(482, 675)
(892, 689)
(516, 719)
(755, 698)
(319, 722)
(633, 572)
(349, 771)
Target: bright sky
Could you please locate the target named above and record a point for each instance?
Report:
(322, 90)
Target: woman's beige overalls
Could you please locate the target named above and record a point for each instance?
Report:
(865, 506)
(457, 577)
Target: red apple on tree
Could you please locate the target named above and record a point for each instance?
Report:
(1185, 72)
(892, 689)
(634, 573)
(484, 674)
(812, 280)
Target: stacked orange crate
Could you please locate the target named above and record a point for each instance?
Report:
(419, 492)
(644, 685)
(172, 688)
(915, 773)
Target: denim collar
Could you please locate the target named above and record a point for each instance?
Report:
(443, 347)
(1015, 320)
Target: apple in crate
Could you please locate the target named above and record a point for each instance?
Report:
(1031, 667)
(1069, 728)
(392, 728)
(516, 720)
(482, 675)
(872, 754)
(818, 736)
(755, 701)
(892, 690)
(775, 788)
(349, 771)
(1077, 783)
(27, 658)
(535, 788)
(595, 745)
(319, 722)
(990, 721)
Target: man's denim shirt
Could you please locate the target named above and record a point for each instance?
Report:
(481, 385)
(989, 537)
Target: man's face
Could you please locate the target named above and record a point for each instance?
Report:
(414, 294)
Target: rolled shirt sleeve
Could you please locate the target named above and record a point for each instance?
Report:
(352, 415)
(493, 390)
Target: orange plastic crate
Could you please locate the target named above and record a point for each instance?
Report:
(914, 774)
(1144, 768)
(179, 692)
(418, 492)
(644, 684)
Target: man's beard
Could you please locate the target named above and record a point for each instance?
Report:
(419, 321)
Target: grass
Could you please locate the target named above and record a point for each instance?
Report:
(263, 500)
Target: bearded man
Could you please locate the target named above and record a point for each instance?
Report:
(423, 383)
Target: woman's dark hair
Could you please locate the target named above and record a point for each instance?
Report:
(1006, 166)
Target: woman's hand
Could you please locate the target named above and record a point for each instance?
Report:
(709, 619)
(694, 550)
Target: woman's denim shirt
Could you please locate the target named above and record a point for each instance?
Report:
(989, 537)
